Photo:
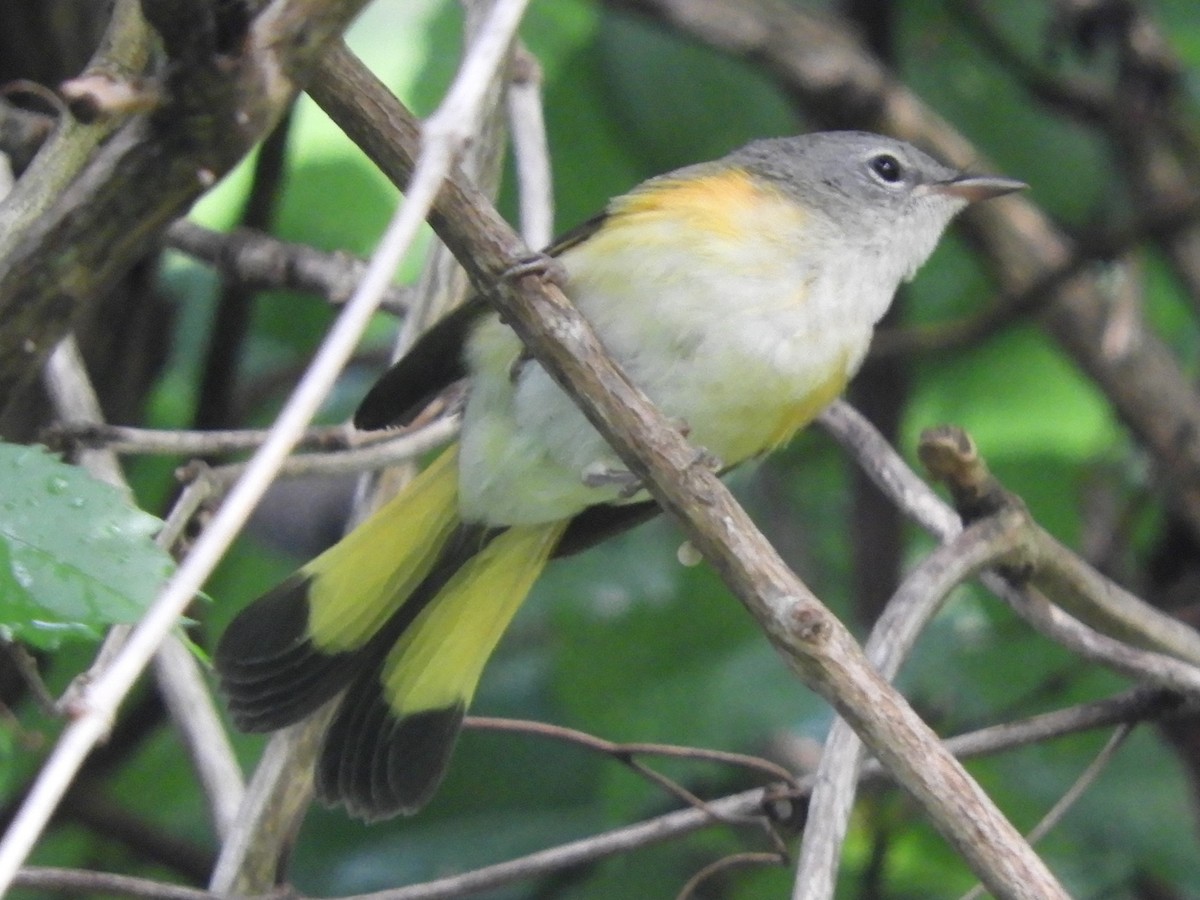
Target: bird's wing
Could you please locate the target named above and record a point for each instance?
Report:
(433, 364)
(436, 361)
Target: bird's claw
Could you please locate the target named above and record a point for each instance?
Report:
(601, 476)
(541, 265)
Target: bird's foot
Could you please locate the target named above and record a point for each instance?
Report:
(540, 265)
(600, 475)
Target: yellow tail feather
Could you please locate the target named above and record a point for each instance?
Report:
(361, 581)
(437, 662)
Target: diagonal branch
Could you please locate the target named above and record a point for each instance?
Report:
(811, 639)
(1013, 543)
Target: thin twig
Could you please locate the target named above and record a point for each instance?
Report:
(73, 397)
(257, 260)
(575, 853)
(87, 883)
(191, 500)
(888, 470)
(201, 731)
(612, 748)
(183, 686)
(1089, 644)
(734, 860)
(131, 440)
(27, 667)
(1085, 780)
(627, 754)
(389, 451)
(526, 122)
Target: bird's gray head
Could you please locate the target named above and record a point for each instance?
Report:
(872, 194)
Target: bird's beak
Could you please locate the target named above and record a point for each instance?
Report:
(978, 187)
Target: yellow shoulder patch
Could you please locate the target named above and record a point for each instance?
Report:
(719, 202)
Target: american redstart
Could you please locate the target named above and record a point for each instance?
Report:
(740, 295)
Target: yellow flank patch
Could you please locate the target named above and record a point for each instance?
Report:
(724, 203)
(799, 413)
(362, 580)
(437, 662)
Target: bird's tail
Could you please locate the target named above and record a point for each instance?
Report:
(404, 613)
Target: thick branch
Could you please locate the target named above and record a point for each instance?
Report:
(952, 457)
(100, 225)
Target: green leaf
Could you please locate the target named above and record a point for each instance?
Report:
(75, 557)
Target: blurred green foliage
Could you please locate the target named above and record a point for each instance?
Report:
(623, 641)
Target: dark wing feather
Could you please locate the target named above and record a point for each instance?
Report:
(603, 521)
(436, 361)
(576, 235)
(433, 364)
(599, 523)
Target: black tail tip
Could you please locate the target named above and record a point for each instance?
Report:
(271, 672)
(378, 765)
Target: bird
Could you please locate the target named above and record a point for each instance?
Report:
(740, 295)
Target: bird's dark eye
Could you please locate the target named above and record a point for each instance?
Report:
(887, 168)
